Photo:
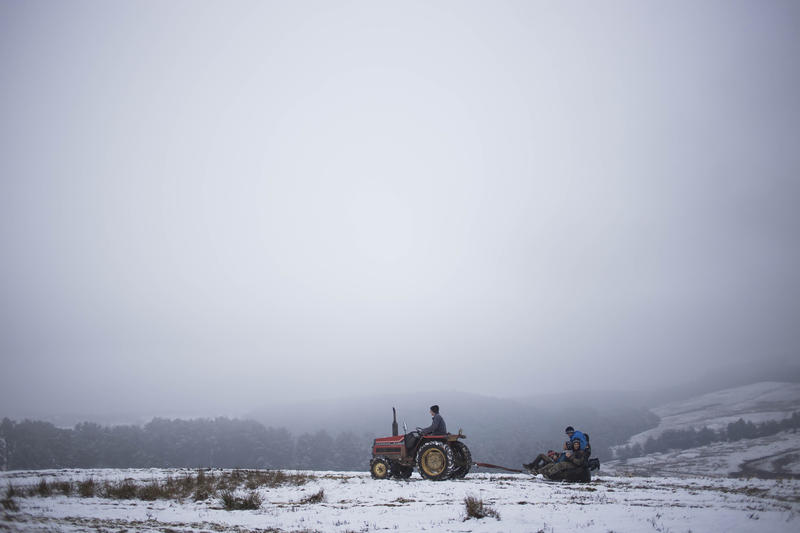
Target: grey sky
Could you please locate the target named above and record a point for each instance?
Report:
(211, 205)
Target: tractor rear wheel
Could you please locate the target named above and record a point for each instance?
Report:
(435, 460)
(379, 468)
(463, 460)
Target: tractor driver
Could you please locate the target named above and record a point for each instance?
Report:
(437, 427)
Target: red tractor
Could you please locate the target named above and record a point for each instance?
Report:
(438, 457)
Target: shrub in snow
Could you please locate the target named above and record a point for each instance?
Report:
(86, 488)
(43, 489)
(314, 498)
(231, 502)
(126, 490)
(477, 509)
(9, 504)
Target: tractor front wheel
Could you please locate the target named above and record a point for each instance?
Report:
(435, 460)
(379, 468)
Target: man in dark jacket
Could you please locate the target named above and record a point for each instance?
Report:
(438, 426)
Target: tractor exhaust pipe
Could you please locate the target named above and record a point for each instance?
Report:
(394, 422)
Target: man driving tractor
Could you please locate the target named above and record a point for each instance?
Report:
(437, 426)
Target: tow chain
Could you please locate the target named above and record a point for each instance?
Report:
(487, 465)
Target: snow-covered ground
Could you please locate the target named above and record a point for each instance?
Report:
(355, 502)
(758, 402)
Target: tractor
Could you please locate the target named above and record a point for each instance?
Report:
(437, 457)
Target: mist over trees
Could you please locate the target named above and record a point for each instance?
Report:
(234, 443)
(505, 436)
(217, 443)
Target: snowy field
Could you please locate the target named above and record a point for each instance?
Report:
(355, 502)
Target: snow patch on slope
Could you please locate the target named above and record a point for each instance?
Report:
(772, 456)
(758, 402)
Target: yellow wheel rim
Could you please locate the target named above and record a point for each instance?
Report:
(433, 461)
(379, 469)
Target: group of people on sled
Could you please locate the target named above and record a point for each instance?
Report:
(553, 465)
(573, 457)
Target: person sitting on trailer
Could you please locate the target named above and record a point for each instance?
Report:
(542, 460)
(438, 426)
(572, 436)
(574, 459)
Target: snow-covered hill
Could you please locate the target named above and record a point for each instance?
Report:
(775, 455)
(758, 402)
(352, 501)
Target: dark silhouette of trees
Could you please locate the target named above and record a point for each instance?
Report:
(351, 452)
(218, 443)
(233, 443)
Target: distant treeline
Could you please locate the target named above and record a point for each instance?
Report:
(682, 439)
(510, 435)
(217, 443)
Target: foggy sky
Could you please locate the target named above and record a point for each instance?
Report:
(209, 206)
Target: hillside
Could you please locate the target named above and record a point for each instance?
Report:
(719, 418)
(776, 456)
(757, 402)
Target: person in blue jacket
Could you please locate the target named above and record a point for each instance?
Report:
(574, 435)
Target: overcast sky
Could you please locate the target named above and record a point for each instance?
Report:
(208, 206)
